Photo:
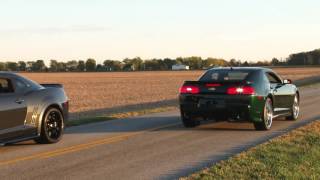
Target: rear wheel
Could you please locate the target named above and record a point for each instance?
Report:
(267, 118)
(295, 109)
(188, 121)
(52, 127)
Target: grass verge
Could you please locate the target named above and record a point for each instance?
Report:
(292, 156)
(119, 116)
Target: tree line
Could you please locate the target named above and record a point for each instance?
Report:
(138, 64)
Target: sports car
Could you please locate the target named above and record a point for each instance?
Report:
(29, 110)
(250, 94)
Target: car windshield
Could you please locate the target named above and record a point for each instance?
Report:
(225, 75)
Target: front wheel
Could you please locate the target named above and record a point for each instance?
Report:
(295, 111)
(52, 127)
(267, 118)
(188, 121)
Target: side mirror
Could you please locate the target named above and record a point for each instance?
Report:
(287, 81)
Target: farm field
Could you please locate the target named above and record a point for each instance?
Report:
(99, 93)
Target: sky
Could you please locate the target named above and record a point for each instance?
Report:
(65, 30)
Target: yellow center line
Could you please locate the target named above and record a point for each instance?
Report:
(80, 147)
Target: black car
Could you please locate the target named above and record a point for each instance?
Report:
(240, 94)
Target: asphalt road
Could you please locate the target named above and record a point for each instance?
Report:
(149, 147)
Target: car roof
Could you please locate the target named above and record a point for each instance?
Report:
(242, 68)
(8, 74)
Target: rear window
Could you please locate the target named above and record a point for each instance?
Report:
(225, 75)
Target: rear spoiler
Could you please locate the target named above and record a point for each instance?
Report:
(205, 82)
(52, 85)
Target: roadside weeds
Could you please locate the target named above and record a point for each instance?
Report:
(294, 155)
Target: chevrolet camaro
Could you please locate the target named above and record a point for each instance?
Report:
(29, 110)
(257, 95)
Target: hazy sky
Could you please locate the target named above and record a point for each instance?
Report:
(115, 29)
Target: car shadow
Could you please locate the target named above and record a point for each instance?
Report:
(123, 109)
(158, 123)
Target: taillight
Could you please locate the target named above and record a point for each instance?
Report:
(245, 90)
(189, 90)
(66, 105)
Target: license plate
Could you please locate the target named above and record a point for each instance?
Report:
(212, 103)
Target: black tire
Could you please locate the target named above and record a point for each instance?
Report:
(52, 127)
(295, 110)
(188, 121)
(267, 117)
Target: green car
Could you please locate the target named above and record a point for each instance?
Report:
(257, 95)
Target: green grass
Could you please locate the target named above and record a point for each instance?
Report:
(292, 156)
(108, 117)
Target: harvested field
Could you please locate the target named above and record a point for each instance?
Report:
(98, 93)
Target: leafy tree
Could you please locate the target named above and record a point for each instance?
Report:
(91, 65)
(2, 66)
(22, 66)
(246, 64)
(169, 63)
(212, 62)
(72, 66)
(81, 66)
(100, 68)
(54, 66)
(275, 62)
(134, 64)
(112, 65)
(38, 66)
(62, 67)
(12, 66)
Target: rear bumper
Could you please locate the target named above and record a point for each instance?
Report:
(236, 107)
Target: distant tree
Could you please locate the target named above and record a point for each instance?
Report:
(179, 60)
(54, 66)
(212, 62)
(72, 66)
(169, 63)
(111, 65)
(38, 66)
(100, 68)
(275, 62)
(22, 66)
(262, 63)
(12, 66)
(81, 66)
(233, 62)
(2, 66)
(152, 64)
(91, 65)
(30, 65)
(246, 64)
(193, 62)
(134, 64)
(62, 67)
(297, 59)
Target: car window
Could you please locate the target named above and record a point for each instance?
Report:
(273, 78)
(20, 86)
(225, 75)
(5, 86)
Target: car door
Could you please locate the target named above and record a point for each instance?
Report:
(280, 93)
(13, 109)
